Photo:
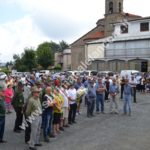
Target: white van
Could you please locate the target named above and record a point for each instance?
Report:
(129, 73)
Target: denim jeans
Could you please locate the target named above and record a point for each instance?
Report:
(47, 123)
(2, 126)
(100, 99)
(127, 103)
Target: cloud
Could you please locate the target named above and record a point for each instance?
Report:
(45, 20)
(62, 19)
(17, 35)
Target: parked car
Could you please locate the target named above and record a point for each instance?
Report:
(88, 73)
(129, 73)
(105, 73)
(2, 75)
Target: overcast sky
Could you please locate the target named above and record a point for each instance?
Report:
(27, 23)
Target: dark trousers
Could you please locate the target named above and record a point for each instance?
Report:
(134, 94)
(122, 89)
(2, 127)
(27, 131)
(72, 113)
(19, 118)
(90, 107)
(106, 95)
(100, 99)
(47, 123)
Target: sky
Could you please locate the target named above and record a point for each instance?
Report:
(28, 23)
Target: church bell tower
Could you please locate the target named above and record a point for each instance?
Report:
(113, 13)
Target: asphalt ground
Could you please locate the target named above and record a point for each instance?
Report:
(102, 132)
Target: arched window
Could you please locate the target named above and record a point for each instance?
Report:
(111, 7)
(120, 7)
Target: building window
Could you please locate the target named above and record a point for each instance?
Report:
(111, 7)
(144, 26)
(120, 8)
(124, 28)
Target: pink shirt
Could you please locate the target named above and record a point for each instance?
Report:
(9, 95)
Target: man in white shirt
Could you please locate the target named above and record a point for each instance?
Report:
(133, 83)
(72, 95)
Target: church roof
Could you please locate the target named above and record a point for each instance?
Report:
(132, 15)
(95, 35)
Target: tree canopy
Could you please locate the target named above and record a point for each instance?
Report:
(43, 56)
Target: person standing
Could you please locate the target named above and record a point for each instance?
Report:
(122, 87)
(9, 93)
(113, 90)
(133, 83)
(47, 115)
(91, 98)
(18, 104)
(2, 115)
(127, 97)
(100, 89)
(77, 86)
(72, 95)
(33, 114)
(107, 84)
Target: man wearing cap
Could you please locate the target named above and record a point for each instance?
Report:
(2, 115)
(33, 113)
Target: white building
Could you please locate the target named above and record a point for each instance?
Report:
(129, 47)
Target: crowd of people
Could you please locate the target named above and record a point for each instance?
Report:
(50, 104)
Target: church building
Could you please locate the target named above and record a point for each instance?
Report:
(106, 46)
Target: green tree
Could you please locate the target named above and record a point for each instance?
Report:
(63, 45)
(17, 62)
(45, 55)
(54, 46)
(29, 59)
(25, 62)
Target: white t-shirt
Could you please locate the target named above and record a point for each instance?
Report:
(133, 83)
(72, 93)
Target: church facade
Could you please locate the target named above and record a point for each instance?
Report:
(100, 45)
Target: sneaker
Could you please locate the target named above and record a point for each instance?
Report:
(39, 144)
(32, 148)
(77, 114)
(116, 112)
(74, 122)
(17, 131)
(98, 112)
(52, 136)
(61, 129)
(27, 142)
(66, 126)
(3, 141)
